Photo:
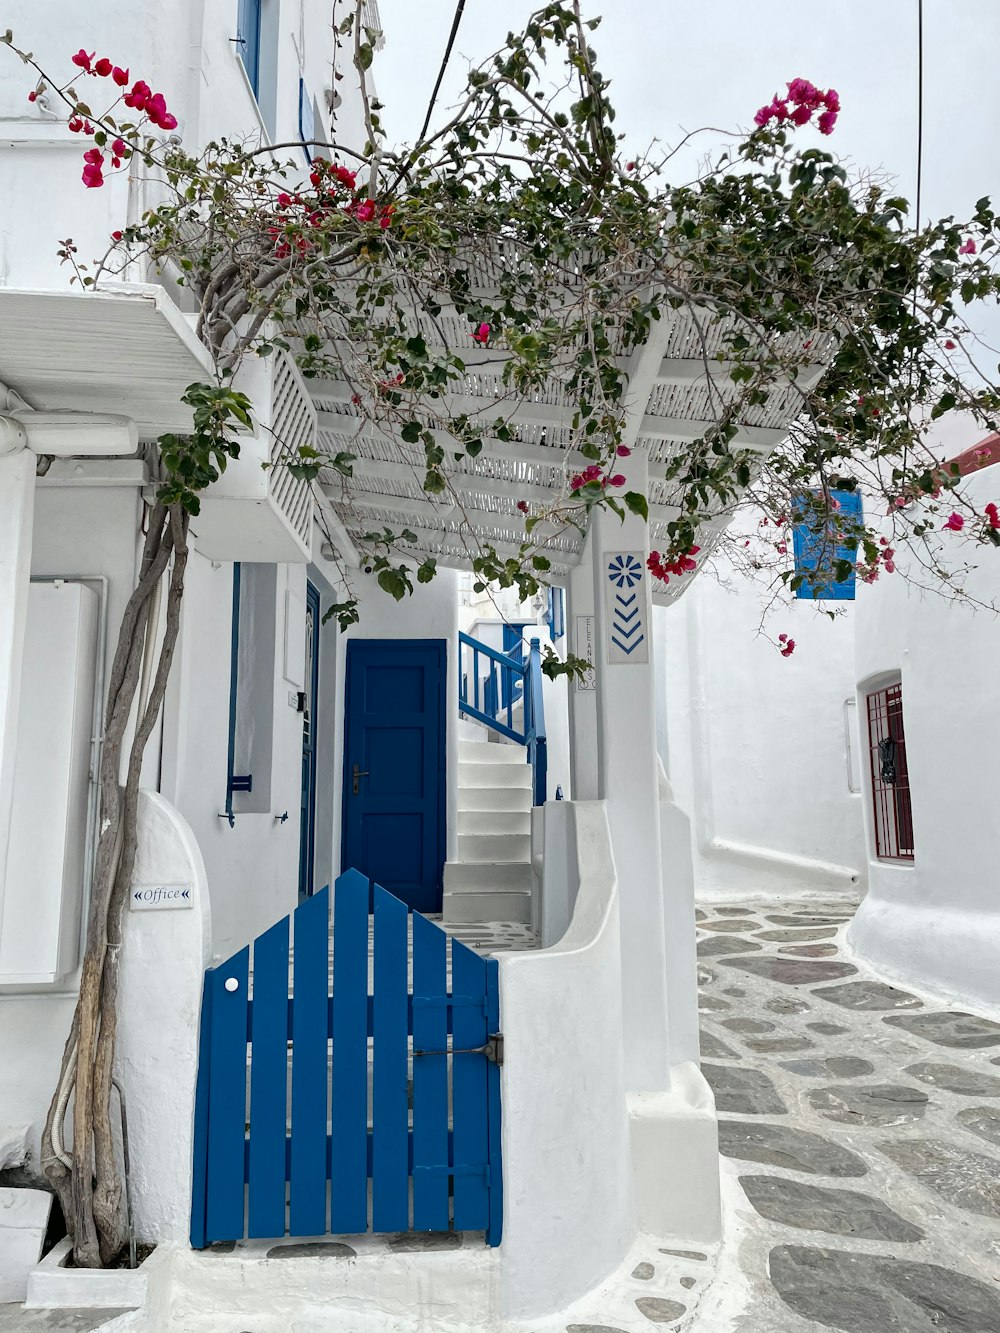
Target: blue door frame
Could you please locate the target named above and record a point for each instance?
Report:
(394, 783)
(310, 715)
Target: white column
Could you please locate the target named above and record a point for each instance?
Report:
(581, 630)
(628, 778)
(17, 501)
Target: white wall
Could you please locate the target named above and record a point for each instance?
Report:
(569, 1208)
(253, 867)
(935, 923)
(185, 49)
(756, 744)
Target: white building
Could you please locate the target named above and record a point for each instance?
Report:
(288, 753)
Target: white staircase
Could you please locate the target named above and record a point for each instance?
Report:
(490, 880)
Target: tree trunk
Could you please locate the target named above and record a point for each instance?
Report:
(89, 1181)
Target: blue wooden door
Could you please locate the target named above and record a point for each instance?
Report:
(307, 813)
(394, 766)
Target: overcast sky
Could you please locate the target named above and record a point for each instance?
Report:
(683, 64)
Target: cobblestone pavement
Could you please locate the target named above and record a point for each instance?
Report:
(863, 1126)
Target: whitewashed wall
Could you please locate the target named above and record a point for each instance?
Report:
(185, 50)
(756, 745)
(935, 923)
(569, 1206)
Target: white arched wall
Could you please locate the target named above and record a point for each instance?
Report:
(935, 923)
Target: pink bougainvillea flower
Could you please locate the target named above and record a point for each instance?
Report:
(138, 96)
(74, 124)
(365, 211)
(346, 177)
(88, 128)
(119, 147)
(385, 221)
(968, 247)
(284, 200)
(801, 115)
(120, 76)
(103, 67)
(83, 60)
(831, 99)
(630, 166)
(782, 638)
(623, 451)
(949, 345)
(33, 96)
(993, 515)
(617, 480)
(827, 121)
(482, 336)
(789, 647)
(522, 506)
(803, 93)
(116, 236)
(954, 522)
(92, 175)
(356, 399)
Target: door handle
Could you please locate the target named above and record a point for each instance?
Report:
(358, 774)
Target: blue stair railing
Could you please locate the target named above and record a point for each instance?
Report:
(492, 683)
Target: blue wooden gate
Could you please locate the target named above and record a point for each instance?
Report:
(349, 1088)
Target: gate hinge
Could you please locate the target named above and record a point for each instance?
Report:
(493, 1050)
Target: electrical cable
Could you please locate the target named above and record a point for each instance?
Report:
(444, 65)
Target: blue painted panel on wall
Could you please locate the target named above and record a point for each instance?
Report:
(810, 545)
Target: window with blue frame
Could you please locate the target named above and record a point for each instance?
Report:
(825, 544)
(556, 614)
(248, 40)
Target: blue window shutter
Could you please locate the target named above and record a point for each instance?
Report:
(248, 39)
(808, 547)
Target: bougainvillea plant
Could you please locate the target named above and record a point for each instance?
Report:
(523, 221)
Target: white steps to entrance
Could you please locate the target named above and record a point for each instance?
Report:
(490, 878)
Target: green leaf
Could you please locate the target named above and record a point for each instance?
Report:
(637, 504)
(410, 433)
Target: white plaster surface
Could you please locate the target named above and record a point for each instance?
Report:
(24, 1215)
(756, 744)
(569, 1211)
(52, 1285)
(163, 959)
(935, 922)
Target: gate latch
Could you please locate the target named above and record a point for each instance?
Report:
(493, 1050)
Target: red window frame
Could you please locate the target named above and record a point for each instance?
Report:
(890, 779)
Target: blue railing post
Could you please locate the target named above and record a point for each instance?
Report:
(500, 693)
(537, 744)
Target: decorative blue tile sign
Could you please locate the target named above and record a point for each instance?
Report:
(625, 601)
(159, 897)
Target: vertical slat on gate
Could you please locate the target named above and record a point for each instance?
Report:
(495, 1227)
(430, 1076)
(309, 1066)
(349, 1112)
(227, 1099)
(268, 1083)
(468, 1078)
(199, 1181)
(390, 1130)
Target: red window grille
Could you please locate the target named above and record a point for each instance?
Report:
(890, 777)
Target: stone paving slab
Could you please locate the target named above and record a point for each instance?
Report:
(867, 1160)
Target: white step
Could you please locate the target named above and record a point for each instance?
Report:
(493, 774)
(507, 799)
(24, 1217)
(494, 847)
(494, 821)
(502, 905)
(485, 876)
(487, 752)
